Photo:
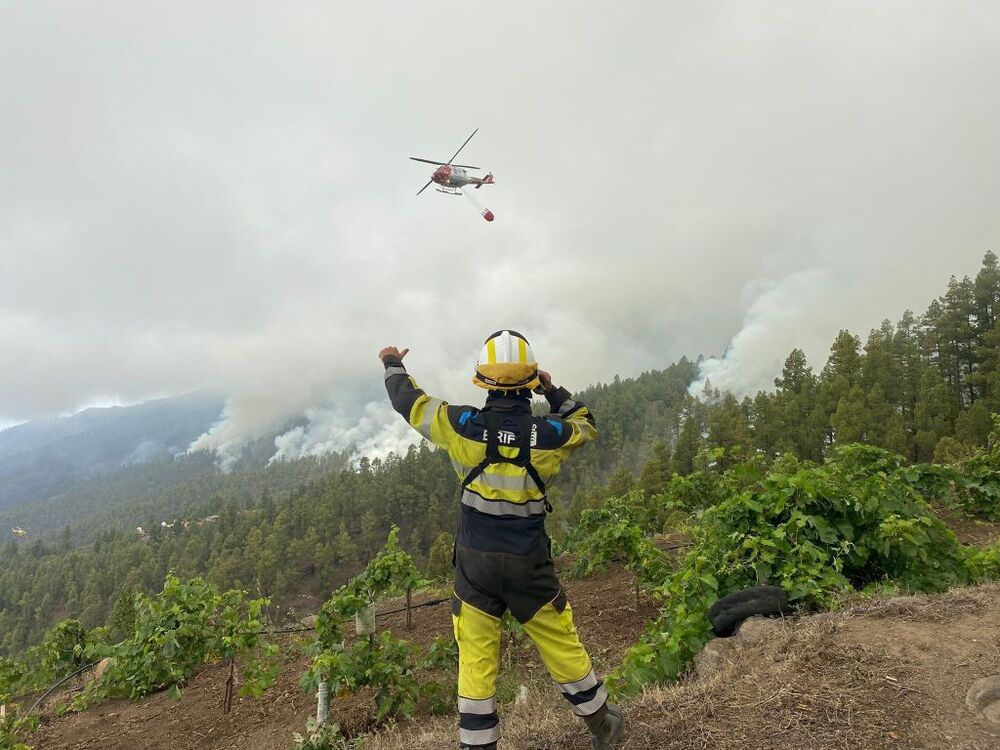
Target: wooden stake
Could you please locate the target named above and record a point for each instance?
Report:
(409, 619)
(227, 702)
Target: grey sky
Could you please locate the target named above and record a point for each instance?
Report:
(217, 194)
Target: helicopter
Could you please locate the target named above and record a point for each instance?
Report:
(451, 178)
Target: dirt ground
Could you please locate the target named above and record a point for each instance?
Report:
(968, 530)
(604, 607)
(883, 674)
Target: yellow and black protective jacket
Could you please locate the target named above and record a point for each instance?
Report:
(505, 456)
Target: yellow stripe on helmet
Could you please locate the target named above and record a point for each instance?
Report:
(502, 367)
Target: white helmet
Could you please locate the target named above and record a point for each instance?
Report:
(506, 363)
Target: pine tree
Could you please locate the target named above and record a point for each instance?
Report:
(986, 379)
(851, 417)
(729, 428)
(909, 362)
(439, 558)
(879, 365)
(794, 404)
(973, 426)
(950, 338)
(796, 375)
(845, 359)
(371, 535)
(621, 482)
(879, 416)
(766, 425)
(986, 295)
(123, 614)
(656, 472)
(841, 372)
(933, 413)
(897, 438)
(66, 540)
(688, 443)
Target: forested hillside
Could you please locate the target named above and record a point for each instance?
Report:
(924, 388)
(157, 491)
(50, 457)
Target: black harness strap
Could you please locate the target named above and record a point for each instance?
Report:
(494, 424)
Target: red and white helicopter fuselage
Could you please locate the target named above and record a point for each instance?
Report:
(451, 178)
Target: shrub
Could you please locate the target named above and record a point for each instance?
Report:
(987, 562)
(384, 663)
(813, 530)
(16, 729)
(12, 675)
(181, 628)
(616, 532)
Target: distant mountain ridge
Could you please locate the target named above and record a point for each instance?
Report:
(44, 457)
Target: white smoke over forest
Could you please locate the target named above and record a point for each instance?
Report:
(379, 432)
(800, 310)
(672, 178)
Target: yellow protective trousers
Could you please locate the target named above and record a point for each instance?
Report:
(486, 585)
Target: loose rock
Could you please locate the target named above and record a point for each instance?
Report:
(983, 698)
(713, 657)
(102, 667)
(758, 630)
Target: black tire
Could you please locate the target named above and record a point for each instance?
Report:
(730, 611)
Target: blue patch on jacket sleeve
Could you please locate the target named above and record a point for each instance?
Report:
(465, 417)
(557, 425)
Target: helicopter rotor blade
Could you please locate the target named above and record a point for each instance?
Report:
(425, 187)
(462, 146)
(442, 164)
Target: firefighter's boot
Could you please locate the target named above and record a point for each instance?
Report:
(606, 728)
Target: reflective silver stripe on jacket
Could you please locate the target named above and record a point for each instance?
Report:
(594, 705)
(497, 481)
(589, 682)
(479, 707)
(503, 507)
(394, 370)
(479, 736)
(567, 406)
(430, 411)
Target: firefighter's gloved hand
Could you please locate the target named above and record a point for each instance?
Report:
(392, 355)
(546, 383)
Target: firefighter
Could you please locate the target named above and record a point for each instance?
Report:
(505, 458)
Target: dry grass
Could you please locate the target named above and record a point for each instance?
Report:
(794, 692)
(867, 678)
(928, 607)
(532, 725)
(800, 689)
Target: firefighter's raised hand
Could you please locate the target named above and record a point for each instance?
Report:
(546, 382)
(393, 352)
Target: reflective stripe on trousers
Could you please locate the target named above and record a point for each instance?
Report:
(555, 637)
(478, 638)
